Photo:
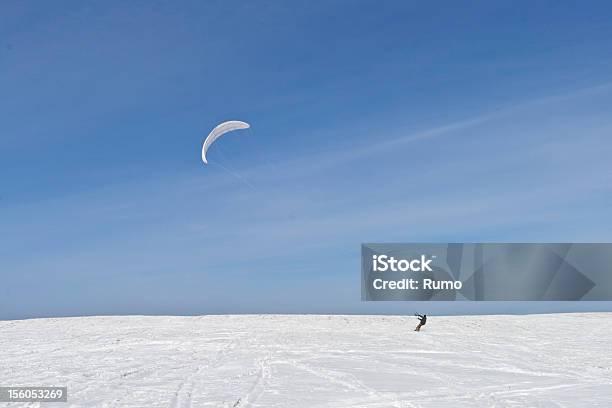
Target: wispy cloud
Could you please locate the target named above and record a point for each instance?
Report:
(305, 211)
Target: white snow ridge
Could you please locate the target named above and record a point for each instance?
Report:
(560, 360)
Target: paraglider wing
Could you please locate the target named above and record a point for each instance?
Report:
(220, 130)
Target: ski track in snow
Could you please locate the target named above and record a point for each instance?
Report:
(562, 360)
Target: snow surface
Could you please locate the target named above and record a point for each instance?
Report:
(314, 361)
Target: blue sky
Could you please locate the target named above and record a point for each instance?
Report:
(371, 122)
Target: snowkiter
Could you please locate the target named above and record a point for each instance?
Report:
(422, 321)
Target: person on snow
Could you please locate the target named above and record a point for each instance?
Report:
(422, 321)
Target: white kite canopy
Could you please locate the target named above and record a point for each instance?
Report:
(219, 130)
